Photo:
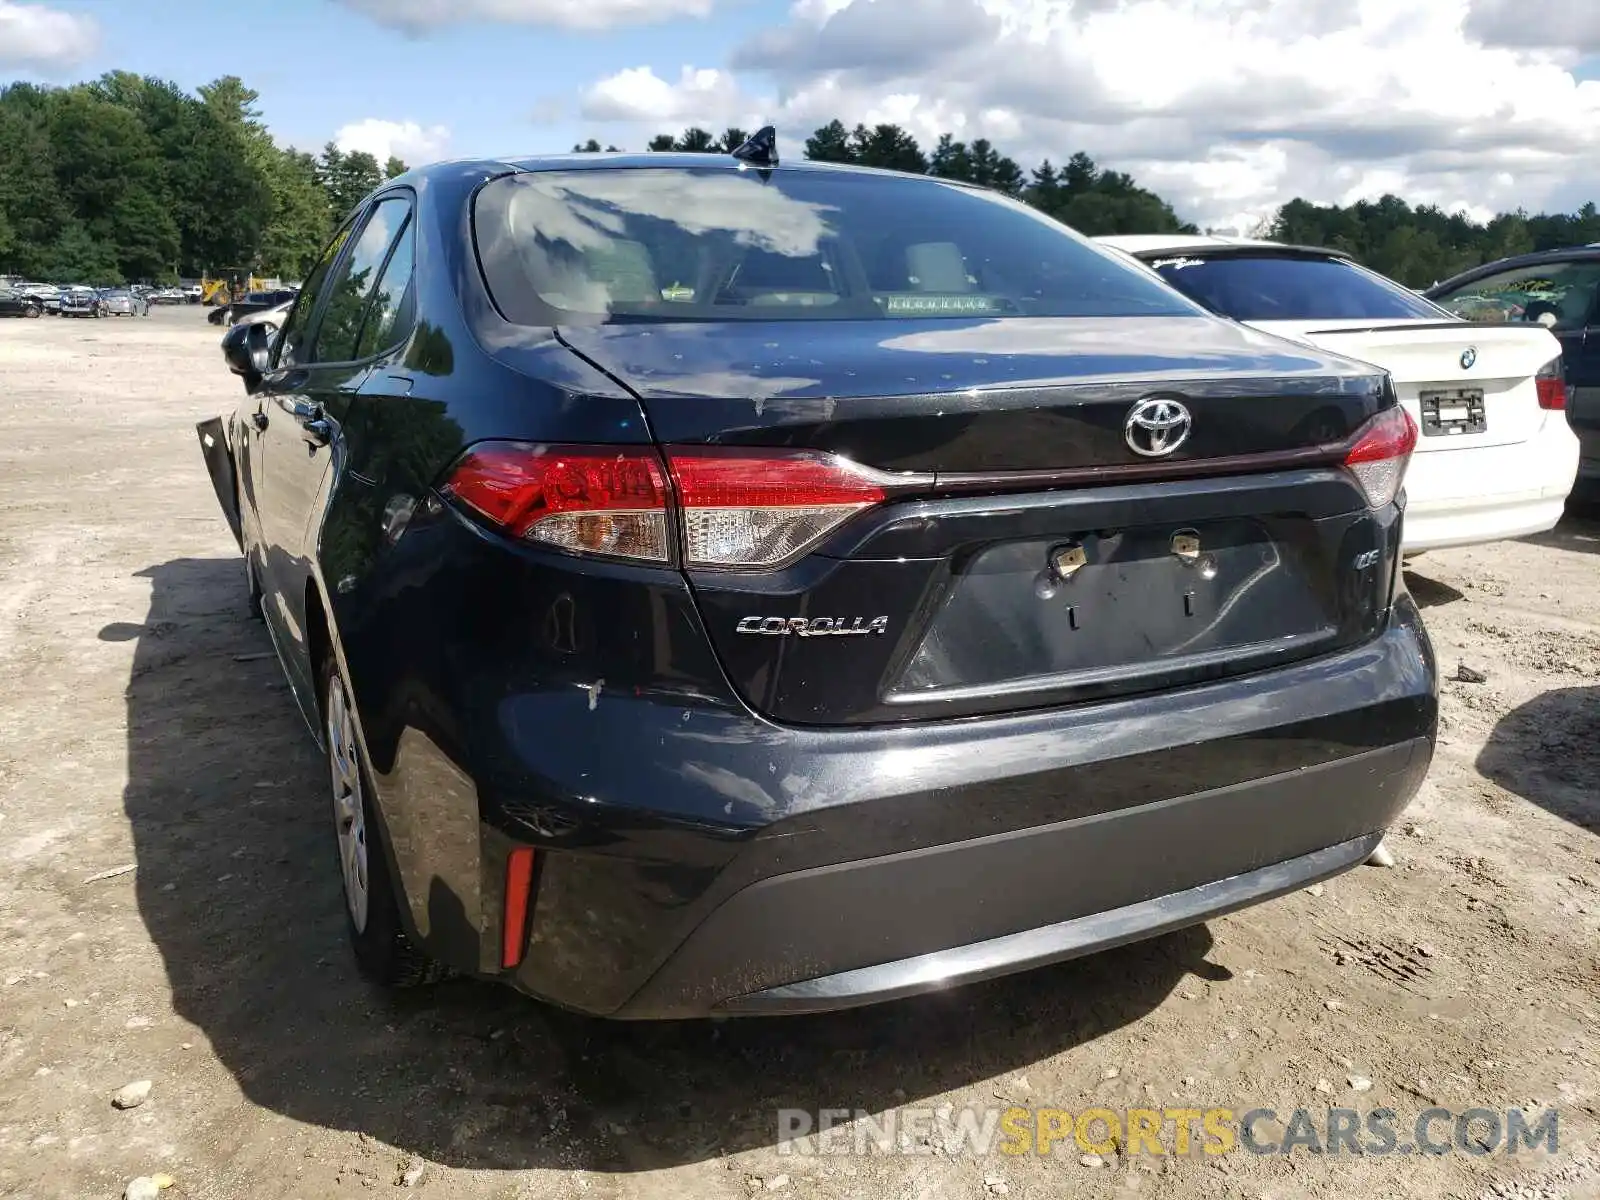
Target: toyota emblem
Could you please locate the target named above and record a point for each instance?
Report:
(1156, 426)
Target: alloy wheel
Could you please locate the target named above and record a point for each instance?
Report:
(349, 808)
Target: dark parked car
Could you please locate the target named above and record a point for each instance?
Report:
(1559, 289)
(856, 585)
(14, 303)
(80, 302)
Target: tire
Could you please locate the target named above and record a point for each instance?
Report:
(383, 952)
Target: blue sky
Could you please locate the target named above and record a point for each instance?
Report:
(1227, 108)
(498, 88)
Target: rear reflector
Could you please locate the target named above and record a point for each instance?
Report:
(1552, 386)
(519, 894)
(1382, 450)
(744, 510)
(588, 499)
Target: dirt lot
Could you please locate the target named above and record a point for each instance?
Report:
(141, 724)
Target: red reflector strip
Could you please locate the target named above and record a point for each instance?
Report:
(746, 479)
(519, 898)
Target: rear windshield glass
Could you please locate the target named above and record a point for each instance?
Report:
(1280, 288)
(663, 244)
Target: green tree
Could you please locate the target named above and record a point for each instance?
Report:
(394, 168)
(831, 143)
(695, 140)
(347, 178)
(887, 146)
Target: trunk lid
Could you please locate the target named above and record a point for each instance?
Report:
(1444, 370)
(997, 578)
(1001, 395)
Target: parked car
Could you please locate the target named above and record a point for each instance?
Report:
(854, 586)
(1496, 457)
(48, 296)
(80, 302)
(269, 318)
(1559, 290)
(17, 303)
(123, 304)
(250, 302)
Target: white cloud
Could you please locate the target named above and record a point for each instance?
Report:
(1227, 107)
(33, 37)
(700, 97)
(413, 143)
(416, 16)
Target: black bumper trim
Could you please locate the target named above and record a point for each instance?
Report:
(1053, 943)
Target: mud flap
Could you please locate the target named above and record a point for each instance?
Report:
(219, 463)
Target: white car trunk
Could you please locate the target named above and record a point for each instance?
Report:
(1440, 368)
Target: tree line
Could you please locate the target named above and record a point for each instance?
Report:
(132, 179)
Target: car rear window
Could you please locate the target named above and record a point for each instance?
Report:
(1278, 287)
(669, 244)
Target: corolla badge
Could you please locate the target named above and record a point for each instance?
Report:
(1468, 357)
(812, 626)
(1156, 426)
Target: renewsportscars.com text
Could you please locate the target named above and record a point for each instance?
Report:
(1179, 1131)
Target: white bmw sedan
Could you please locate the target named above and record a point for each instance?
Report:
(1496, 456)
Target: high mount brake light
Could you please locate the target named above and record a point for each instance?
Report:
(1552, 386)
(1382, 451)
(738, 509)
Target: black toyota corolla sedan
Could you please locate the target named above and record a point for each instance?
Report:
(731, 587)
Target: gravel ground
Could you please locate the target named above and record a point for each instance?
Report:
(143, 726)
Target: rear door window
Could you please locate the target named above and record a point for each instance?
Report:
(355, 279)
(1560, 295)
(1282, 287)
(390, 314)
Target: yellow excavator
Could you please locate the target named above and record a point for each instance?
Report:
(231, 285)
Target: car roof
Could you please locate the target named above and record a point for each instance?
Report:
(662, 159)
(1589, 253)
(1147, 246)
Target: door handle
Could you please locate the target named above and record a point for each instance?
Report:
(259, 420)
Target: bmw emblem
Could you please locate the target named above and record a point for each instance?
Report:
(1468, 357)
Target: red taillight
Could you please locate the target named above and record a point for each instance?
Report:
(738, 509)
(589, 499)
(1552, 386)
(519, 896)
(742, 509)
(1382, 450)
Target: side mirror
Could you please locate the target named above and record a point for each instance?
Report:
(248, 352)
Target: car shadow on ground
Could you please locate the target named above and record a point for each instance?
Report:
(1548, 751)
(1579, 530)
(237, 886)
(1430, 593)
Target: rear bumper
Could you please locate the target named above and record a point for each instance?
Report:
(701, 861)
(1462, 497)
(1052, 943)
